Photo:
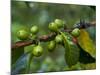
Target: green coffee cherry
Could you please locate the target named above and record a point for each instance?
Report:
(53, 27)
(59, 23)
(75, 32)
(34, 29)
(59, 38)
(23, 34)
(51, 46)
(37, 51)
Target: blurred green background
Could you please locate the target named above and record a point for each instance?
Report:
(25, 14)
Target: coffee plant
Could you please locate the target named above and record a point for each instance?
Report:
(76, 49)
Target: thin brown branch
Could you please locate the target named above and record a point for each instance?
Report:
(45, 38)
(29, 42)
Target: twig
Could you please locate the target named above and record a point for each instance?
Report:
(48, 37)
(29, 42)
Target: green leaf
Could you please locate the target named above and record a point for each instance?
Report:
(85, 57)
(86, 43)
(71, 52)
(29, 60)
(74, 67)
(16, 53)
(19, 65)
(80, 66)
(88, 66)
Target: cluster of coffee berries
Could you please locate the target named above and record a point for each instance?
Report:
(25, 34)
(37, 49)
(54, 26)
(52, 44)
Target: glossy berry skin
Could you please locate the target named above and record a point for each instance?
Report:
(37, 51)
(75, 32)
(34, 29)
(23, 34)
(59, 38)
(59, 23)
(51, 46)
(53, 27)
